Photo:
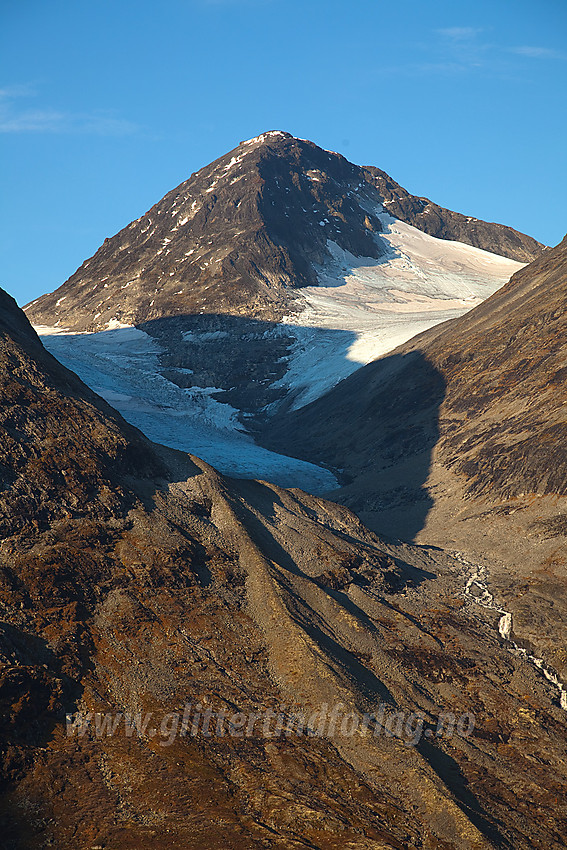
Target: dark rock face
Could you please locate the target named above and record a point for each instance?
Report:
(137, 579)
(446, 224)
(243, 233)
(242, 357)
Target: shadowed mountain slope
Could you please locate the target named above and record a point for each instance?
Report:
(494, 378)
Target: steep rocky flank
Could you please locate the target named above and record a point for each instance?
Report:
(137, 579)
(459, 439)
(446, 224)
(505, 421)
(243, 233)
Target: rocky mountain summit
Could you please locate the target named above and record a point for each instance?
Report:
(243, 233)
(236, 238)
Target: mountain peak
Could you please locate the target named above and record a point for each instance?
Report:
(267, 136)
(242, 234)
(237, 238)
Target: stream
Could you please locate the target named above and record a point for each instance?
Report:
(478, 579)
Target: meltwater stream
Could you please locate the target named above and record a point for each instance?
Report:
(477, 578)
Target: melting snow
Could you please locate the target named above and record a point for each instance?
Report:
(114, 324)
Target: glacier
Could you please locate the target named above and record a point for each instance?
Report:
(122, 365)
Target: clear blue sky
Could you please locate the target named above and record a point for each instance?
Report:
(105, 105)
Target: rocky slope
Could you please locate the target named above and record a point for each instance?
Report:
(458, 439)
(446, 224)
(243, 233)
(133, 578)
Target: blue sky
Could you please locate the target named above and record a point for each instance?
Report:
(106, 105)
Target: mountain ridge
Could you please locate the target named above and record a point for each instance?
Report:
(443, 223)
